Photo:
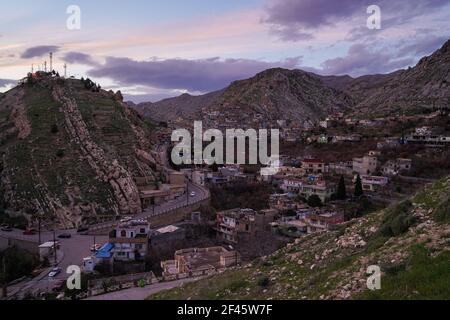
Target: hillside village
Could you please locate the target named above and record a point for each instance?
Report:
(344, 185)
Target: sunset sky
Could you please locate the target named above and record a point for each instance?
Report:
(156, 49)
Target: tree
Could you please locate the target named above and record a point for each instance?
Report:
(342, 190)
(358, 187)
(314, 201)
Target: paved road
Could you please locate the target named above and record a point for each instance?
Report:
(141, 293)
(72, 251)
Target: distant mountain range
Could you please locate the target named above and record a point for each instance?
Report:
(295, 94)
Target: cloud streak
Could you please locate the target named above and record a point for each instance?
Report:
(38, 51)
(202, 75)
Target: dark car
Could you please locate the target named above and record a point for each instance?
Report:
(65, 236)
(29, 232)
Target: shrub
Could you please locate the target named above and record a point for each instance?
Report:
(54, 129)
(60, 153)
(314, 201)
(442, 212)
(397, 220)
(263, 281)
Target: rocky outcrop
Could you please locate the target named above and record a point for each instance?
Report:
(109, 170)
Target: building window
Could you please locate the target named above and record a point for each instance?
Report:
(123, 234)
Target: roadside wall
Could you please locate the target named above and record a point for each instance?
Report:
(29, 246)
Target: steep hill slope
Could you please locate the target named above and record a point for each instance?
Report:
(178, 107)
(410, 242)
(427, 85)
(72, 154)
(284, 94)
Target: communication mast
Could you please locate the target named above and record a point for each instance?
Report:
(65, 70)
(45, 66)
(51, 61)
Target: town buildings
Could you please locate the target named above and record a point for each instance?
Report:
(365, 165)
(130, 240)
(200, 261)
(237, 225)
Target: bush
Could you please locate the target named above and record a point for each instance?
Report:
(397, 220)
(54, 129)
(60, 153)
(442, 212)
(314, 201)
(263, 281)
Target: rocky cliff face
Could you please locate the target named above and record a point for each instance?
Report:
(425, 86)
(73, 154)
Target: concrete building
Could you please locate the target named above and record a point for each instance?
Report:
(200, 261)
(373, 183)
(315, 166)
(395, 167)
(237, 225)
(365, 165)
(130, 240)
(323, 221)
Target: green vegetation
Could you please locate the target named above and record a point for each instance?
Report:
(241, 195)
(315, 201)
(358, 187)
(16, 263)
(342, 190)
(397, 220)
(442, 212)
(422, 277)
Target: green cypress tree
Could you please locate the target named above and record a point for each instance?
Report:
(358, 187)
(342, 190)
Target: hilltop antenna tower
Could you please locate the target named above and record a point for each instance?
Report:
(45, 66)
(51, 61)
(32, 68)
(65, 70)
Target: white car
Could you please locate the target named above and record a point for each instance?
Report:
(54, 272)
(193, 194)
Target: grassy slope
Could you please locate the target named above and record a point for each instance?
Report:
(413, 255)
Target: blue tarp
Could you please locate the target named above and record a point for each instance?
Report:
(105, 251)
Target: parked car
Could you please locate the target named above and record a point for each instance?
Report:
(7, 229)
(54, 272)
(29, 232)
(65, 236)
(193, 194)
(95, 247)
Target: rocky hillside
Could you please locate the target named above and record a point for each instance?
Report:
(72, 154)
(410, 242)
(427, 85)
(284, 94)
(178, 107)
(295, 94)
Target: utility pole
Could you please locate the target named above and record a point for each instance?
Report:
(5, 279)
(39, 229)
(54, 247)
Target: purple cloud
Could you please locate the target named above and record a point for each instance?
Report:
(361, 61)
(201, 75)
(79, 58)
(38, 51)
(6, 82)
(289, 18)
